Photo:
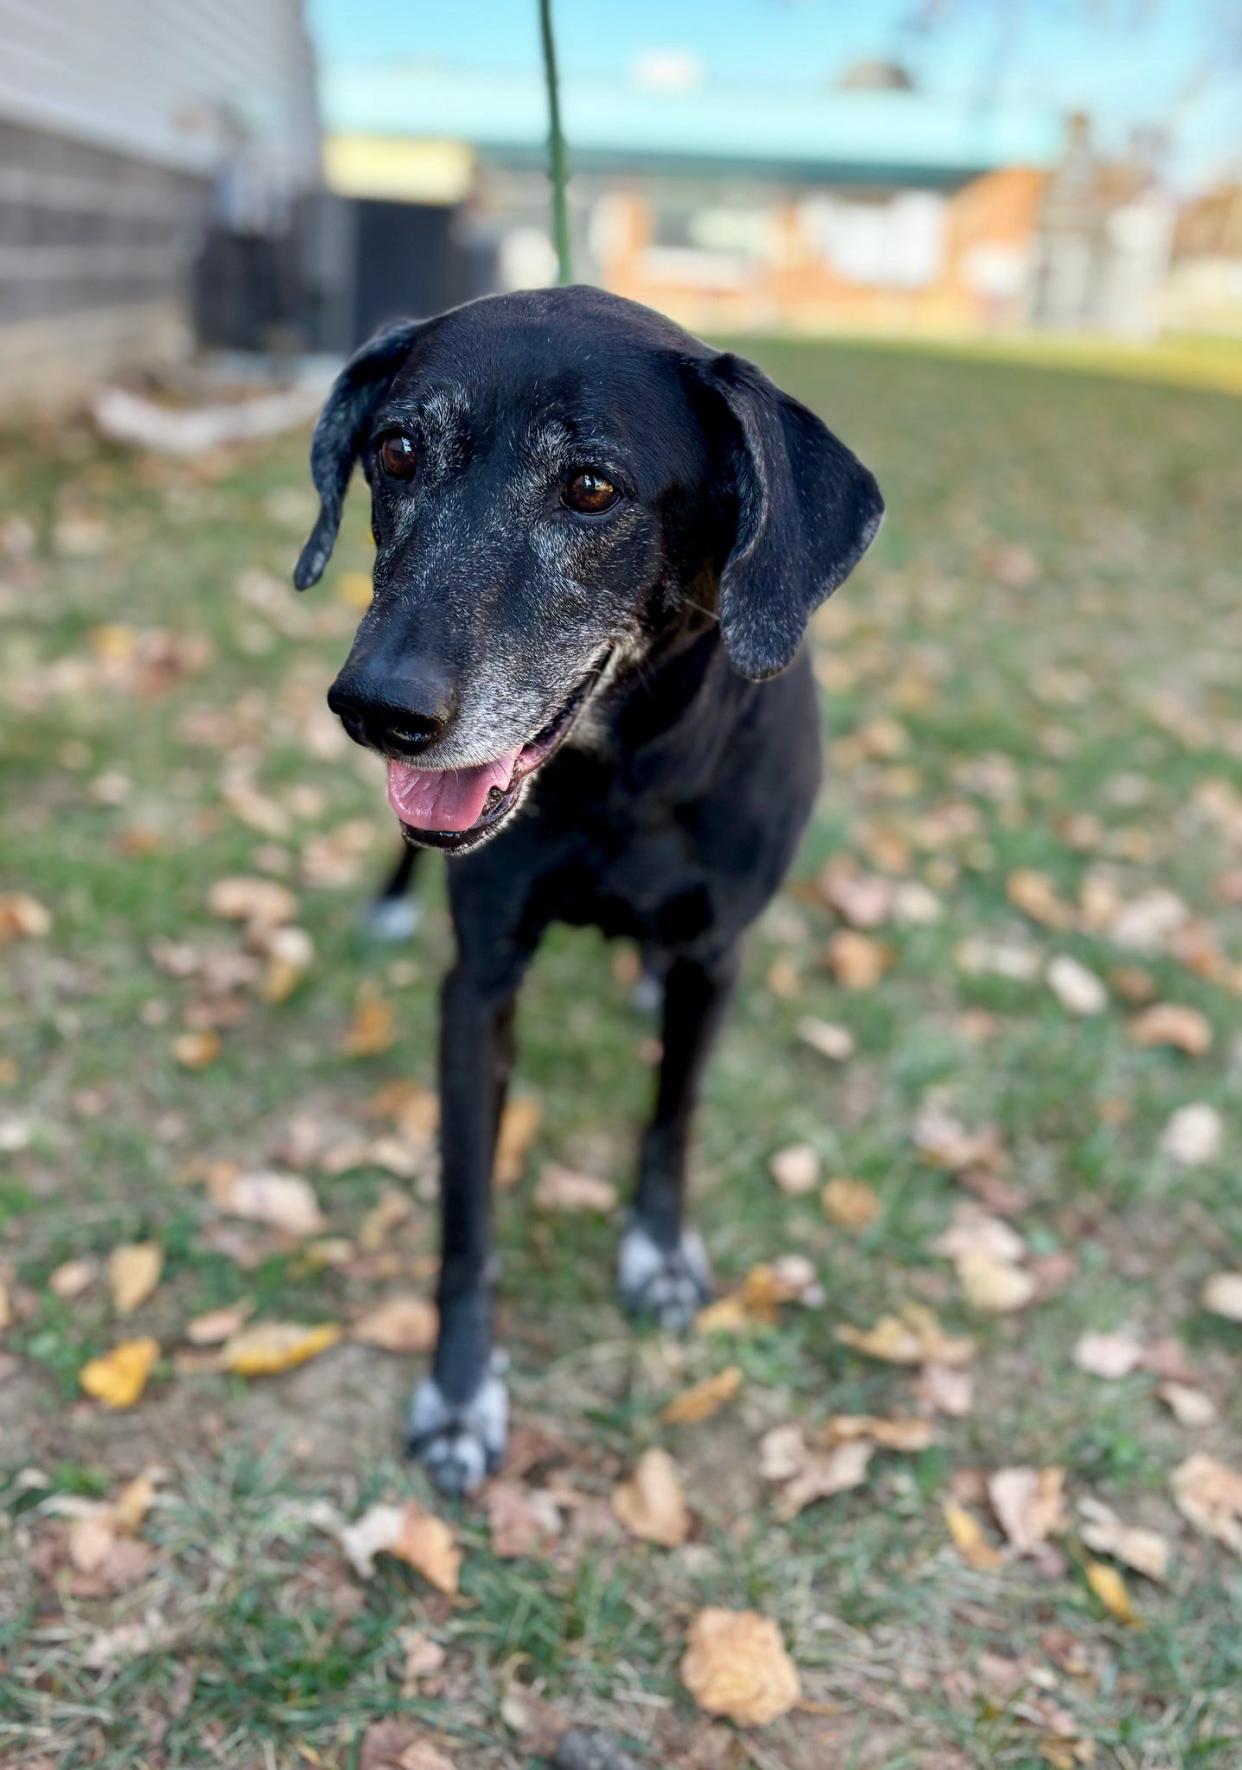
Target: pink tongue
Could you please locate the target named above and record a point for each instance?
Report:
(445, 798)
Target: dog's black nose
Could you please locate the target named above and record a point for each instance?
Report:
(401, 714)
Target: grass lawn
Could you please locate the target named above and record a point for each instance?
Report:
(1033, 709)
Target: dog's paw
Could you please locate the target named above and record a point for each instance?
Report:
(459, 1445)
(391, 918)
(670, 1285)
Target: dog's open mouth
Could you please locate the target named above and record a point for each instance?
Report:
(451, 807)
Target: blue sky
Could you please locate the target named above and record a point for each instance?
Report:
(1171, 62)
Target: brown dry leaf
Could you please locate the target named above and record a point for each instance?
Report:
(972, 1230)
(1209, 1494)
(1110, 1589)
(1188, 1405)
(703, 1399)
(392, 1207)
(561, 1189)
(913, 1337)
(519, 1126)
(994, 1287)
(290, 953)
(1222, 1294)
(795, 1169)
(6, 1307)
(197, 1049)
(397, 1745)
(1111, 1356)
(865, 899)
(946, 1391)
(412, 1535)
(133, 1273)
(23, 917)
(1036, 896)
(651, 1503)
(736, 1665)
(119, 1377)
(850, 1204)
(523, 1521)
(1078, 990)
(1172, 1023)
(755, 1303)
(1193, 1135)
(72, 1278)
(890, 1434)
(215, 1326)
(263, 903)
(1146, 1551)
(944, 1141)
(836, 1043)
(968, 1538)
(399, 1324)
(809, 1474)
(373, 1029)
(270, 1347)
(284, 1201)
(856, 960)
(423, 1656)
(1029, 1506)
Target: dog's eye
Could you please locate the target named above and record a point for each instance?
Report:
(590, 493)
(397, 456)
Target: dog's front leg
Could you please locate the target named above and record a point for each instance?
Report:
(663, 1269)
(459, 1418)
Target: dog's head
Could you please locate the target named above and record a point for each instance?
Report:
(553, 474)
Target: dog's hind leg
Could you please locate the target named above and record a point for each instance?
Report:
(662, 1268)
(393, 914)
(459, 1419)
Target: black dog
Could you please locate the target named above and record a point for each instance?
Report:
(598, 545)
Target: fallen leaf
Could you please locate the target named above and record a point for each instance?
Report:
(392, 1207)
(396, 1745)
(946, 1391)
(890, 1434)
(519, 1126)
(755, 1303)
(1209, 1494)
(968, 1538)
(865, 899)
(522, 1520)
(795, 1169)
(944, 1141)
(856, 961)
(6, 1307)
(736, 1665)
(409, 1533)
(215, 1326)
(405, 1324)
(1029, 1506)
(290, 953)
(1036, 896)
(703, 1399)
(23, 917)
(270, 1347)
(560, 1189)
(1171, 1023)
(1222, 1295)
(423, 1656)
(133, 1273)
(850, 1204)
(808, 1474)
(264, 903)
(1110, 1589)
(994, 1287)
(1078, 990)
(285, 1201)
(833, 1042)
(373, 1029)
(1146, 1551)
(1111, 1356)
(119, 1377)
(972, 1230)
(913, 1337)
(197, 1049)
(1193, 1135)
(72, 1278)
(1188, 1405)
(355, 589)
(651, 1503)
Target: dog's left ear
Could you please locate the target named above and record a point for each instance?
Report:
(806, 510)
(341, 432)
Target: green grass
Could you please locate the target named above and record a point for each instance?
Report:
(1053, 618)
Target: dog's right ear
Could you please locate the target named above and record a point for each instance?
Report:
(341, 432)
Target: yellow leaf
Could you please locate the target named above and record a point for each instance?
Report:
(994, 1287)
(197, 1049)
(652, 1504)
(968, 1538)
(703, 1399)
(355, 589)
(519, 1125)
(120, 1376)
(373, 1027)
(913, 1337)
(23, 917)
(410, 1534)
(1171, 1023)
(850, 1204)
(398, 1324)
(1036, 896)
(1110, 1589)
(736, 1665)
(133, 1273)
(274, 1346)
(755, 1303)
(856, 961)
